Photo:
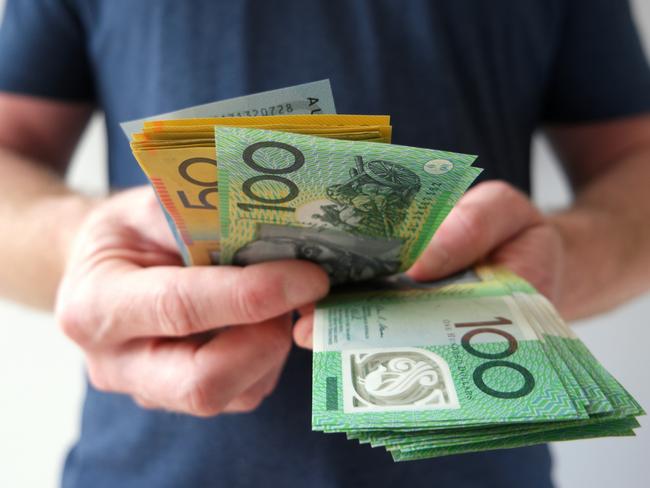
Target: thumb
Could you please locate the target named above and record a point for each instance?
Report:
(489, 215)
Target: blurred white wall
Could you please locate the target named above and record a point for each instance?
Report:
(41, 374)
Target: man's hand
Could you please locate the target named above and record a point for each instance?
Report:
(200, 340)
(494, 222)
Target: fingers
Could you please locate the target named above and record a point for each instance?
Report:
(246, 402)
(139, 209)
(303, 328)
(537, 256)
(118, 304)
(307, 309)
(487, 216)
(253, 397)
(303, 331)
(233, 371)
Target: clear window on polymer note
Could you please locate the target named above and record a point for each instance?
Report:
(345, 257)
(405, 378)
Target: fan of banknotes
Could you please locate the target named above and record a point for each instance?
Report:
(481, 361)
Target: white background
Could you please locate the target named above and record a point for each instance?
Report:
(41, 375)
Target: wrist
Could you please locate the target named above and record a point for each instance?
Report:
(594, 255)
(61, 216)
(72, 210)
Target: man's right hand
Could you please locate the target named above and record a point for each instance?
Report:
(198, 340)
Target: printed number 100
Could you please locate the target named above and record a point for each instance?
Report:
(496, 358)
(271, 174)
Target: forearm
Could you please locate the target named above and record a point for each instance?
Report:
(38, 219)
(606, 235)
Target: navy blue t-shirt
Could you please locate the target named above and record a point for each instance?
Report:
(465, 75)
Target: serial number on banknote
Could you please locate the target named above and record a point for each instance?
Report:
(284, 108)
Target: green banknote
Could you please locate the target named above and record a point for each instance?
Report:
(424, 358)
(360, 209)
(480, 361)
(604, 393)
(615, 429)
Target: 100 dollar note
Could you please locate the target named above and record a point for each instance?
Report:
(478, 361)
(461, 357)
(359, 209)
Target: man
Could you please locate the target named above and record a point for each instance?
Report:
(172, 403)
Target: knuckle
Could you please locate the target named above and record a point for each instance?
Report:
(250, 300)
(279, 340)
(174, 312)
(200, 399)
(249, 402)
(270, 385)
(510, 195)
(501, 187)
(77, 312)
(71, 318)
(469, 216)
(142, 403)
(97, 376)
(269, 388)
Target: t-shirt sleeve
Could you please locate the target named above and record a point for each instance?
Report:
(600, 70)
(43, 51)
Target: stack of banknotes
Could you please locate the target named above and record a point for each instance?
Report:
(479, 362)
